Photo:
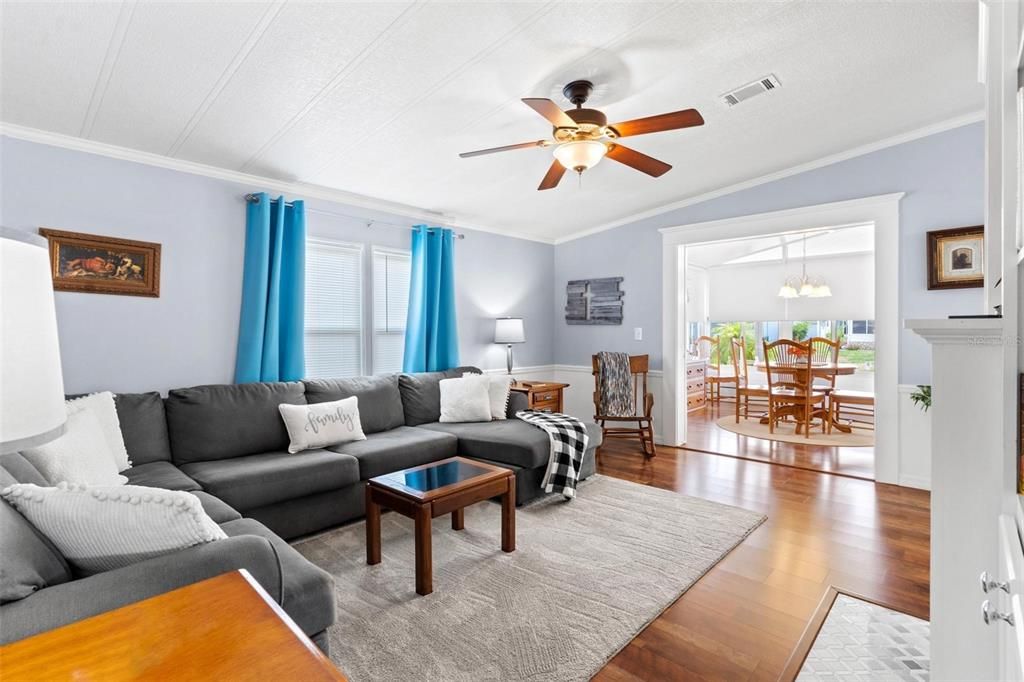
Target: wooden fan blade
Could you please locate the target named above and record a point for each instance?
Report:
(641, 162)
(553, 176)
(508, 147)
(550, 111)
(655, 124)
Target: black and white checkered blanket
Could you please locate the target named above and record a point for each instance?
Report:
(569, 440)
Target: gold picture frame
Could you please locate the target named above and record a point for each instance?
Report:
(95, 264)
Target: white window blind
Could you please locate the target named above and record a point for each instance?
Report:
(334, 294)
(390, 303)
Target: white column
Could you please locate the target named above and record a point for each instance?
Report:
(968, 469)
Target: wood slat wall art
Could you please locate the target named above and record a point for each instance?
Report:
(594, 301)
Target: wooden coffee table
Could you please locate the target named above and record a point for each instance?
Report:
(224, 628)
(425, 492)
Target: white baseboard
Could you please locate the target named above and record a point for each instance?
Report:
(921, 482)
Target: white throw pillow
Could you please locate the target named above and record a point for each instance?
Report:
(106, 527)
(103, 407)
(81, 455)
(466, 399)
(498, 390)
(321, 424)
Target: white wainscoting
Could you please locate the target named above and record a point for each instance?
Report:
(915, 442)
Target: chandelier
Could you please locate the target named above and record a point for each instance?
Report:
(804, 286)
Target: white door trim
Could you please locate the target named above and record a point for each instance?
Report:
(883, 212)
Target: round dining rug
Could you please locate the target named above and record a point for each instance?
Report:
(786, 433)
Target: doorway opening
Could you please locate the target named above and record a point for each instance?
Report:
(877, 214)
(811, 286)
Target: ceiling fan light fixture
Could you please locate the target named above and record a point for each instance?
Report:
(580, 155)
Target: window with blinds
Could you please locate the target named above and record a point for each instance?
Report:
(391, 271)
(334, 311)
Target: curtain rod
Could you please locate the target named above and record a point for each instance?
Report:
(370, 222)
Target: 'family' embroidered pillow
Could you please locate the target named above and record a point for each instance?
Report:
(322, 424)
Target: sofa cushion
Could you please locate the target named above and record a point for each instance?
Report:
(160, 475)
(307, 592)
(28, 561)
(216, 508)
(380, 401)
(228, 420)
(387, 451)
(143, 426)
(421, 394)
(257, 480)
(511, 442)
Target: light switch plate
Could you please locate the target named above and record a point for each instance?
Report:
(638, 333)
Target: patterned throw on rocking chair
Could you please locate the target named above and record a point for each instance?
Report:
(616, 389)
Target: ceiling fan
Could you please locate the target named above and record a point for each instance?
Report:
(582, 137)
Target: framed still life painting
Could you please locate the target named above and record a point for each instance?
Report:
(103, 265)
(956, 258)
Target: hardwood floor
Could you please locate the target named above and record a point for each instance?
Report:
(704, 435)
(742, 620)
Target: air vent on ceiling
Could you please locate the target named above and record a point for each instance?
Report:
(745, 92)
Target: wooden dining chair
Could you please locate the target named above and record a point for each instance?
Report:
(859, 404)
(824, 351)
(643, 404)
(708, 349)
(790, 386)
(744, 389)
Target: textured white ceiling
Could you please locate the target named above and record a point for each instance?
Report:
(379, 98)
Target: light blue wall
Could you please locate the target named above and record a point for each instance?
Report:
(942, 175)
(188, 335)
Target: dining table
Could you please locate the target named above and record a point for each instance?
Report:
(822, 370)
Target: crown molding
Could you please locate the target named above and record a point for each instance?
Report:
(942, 126)
(351, 199)
(300, 189)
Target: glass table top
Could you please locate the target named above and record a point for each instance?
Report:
(437, 476)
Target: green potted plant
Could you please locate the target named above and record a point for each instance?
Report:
(922, 397)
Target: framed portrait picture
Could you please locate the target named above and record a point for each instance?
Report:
(956, 258)
(103, 265)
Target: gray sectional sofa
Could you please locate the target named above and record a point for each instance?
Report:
(227, 444)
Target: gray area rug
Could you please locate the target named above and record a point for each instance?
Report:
(586, 577)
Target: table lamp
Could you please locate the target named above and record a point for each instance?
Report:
(509, 330)
(32, 408)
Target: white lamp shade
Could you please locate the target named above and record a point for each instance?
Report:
(509, 330)
(821, 291)
(580, 155)
(32, 408)
(788, 291)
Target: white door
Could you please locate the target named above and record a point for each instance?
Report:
(1003, 596)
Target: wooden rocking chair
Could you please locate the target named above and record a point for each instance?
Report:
(643, 403)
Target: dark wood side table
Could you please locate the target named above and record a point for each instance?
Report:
(224, 628)
(542, 395)
(425, 492)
